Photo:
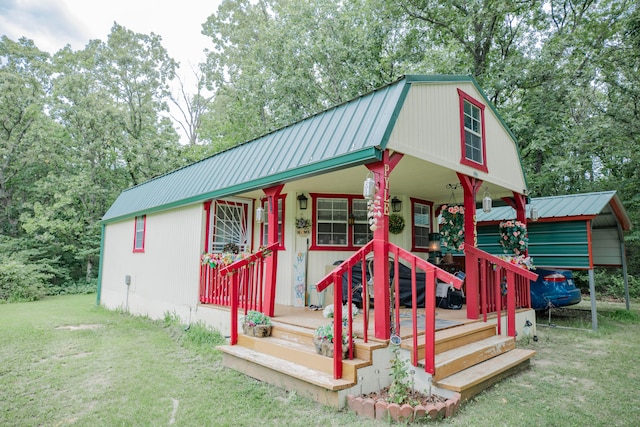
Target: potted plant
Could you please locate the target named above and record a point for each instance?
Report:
(256, 324)
(323, 341)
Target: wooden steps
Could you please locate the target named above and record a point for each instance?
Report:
(469, 358)
(475, 379)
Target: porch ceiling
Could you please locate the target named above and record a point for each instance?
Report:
(412, 177)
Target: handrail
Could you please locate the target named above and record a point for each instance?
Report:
(232, 269)
(432, 273)
(490, 285)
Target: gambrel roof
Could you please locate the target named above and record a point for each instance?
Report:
(352, 133)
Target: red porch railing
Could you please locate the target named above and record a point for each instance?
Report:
(431, 274)
(501, 283)
(246, 285)
(215, 288)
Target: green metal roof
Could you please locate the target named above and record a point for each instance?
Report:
(348, 134)
(569, 206)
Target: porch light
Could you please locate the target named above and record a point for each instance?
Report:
(302, 202)
(260, 215)
(369, 189)
(434, 242)
(533, 214)
(486, 201)
(396, 204)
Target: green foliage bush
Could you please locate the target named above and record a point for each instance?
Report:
(608, 283)
(20, 281)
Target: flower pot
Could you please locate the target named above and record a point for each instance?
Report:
(325, 348)
(259, 331)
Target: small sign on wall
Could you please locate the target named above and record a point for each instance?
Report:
(299, 279)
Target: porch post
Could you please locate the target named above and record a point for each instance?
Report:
(382, 312)
(470, 186)
(521, 207)
(269, 302)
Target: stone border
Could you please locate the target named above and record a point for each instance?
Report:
(381, 410)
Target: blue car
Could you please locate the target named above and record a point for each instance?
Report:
(554, 288)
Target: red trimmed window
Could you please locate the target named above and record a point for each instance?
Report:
(421, 224)
(340, 222)
(140, 228)
(264, 234)
(472, 132)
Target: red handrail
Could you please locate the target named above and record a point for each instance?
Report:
(493, 272)
(432, 273)
(250, 270)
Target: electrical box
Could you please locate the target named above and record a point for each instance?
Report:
(127, 280)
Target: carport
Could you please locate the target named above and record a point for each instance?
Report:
(574, 232)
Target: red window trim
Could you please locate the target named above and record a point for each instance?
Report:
(463, 159)
(314, 200)
(262, 202)
(144, 233)
(413, 226)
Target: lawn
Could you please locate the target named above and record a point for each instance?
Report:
(64, 361)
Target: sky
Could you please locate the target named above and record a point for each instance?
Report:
(52, 24)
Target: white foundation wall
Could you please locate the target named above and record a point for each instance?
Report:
(165, 277)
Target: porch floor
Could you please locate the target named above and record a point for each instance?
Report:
(311, 319)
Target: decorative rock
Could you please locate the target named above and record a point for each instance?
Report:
(381, 410)
(419, 412)
(394, 411)
(406, 413)
(442, 410)
(369, 409)
(450, 407)
(433, 411)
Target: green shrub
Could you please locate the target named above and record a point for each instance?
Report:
(608, 283)
(81, 287)
(20, 282)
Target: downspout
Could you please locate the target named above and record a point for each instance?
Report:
(100, 265)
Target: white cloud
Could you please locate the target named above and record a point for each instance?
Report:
(52, 24)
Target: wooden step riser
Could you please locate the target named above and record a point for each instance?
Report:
(476, 389)
(306, 358)
(460, 340)
(274, 377)
(305, 337)
(473, 380)
(451, 342)
(453, 366)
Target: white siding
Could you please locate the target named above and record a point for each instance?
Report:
(164, 278)
(428, 128)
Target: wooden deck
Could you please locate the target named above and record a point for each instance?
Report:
(308, 318)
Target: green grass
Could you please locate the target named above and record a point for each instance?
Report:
(64, 361)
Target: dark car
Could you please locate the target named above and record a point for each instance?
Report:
(454, 299)
(554, 288)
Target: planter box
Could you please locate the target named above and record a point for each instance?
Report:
(259, 331)
(325, 348)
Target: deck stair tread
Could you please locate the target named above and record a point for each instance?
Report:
(451, 361)
(304, 373)
(489, 370)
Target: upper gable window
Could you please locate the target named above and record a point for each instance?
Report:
(472, 134)
(140, 227)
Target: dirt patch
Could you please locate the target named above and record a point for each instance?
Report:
(416, 397)
(78, 327)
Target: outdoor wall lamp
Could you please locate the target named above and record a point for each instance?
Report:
(533, 214)
(396, 204)
(302, 202)
(260, 215)
(486, 201)
(434, 242)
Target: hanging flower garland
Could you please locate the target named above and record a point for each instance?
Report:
(396, 224)
(452, 227)
(513, 237)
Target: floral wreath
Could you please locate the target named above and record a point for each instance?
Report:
(452, 227)
(396, 224)
(513, 237)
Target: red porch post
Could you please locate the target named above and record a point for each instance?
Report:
(470, 186)
(381, 171)
(272, 194)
